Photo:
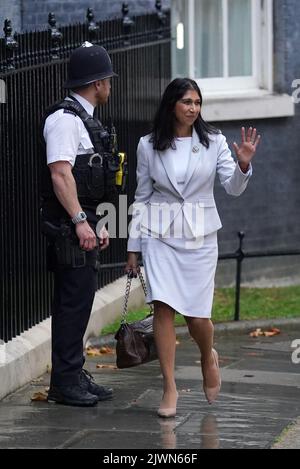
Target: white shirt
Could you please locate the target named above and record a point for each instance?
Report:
(180, 157)
(66, 135)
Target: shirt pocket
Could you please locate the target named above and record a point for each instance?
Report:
(85, 144)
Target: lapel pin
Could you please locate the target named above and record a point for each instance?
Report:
(195, 149)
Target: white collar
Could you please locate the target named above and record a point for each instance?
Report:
(84, 102)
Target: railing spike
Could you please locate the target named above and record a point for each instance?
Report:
(93, 28)
(161, 15)
(128, 23)
(56, 37)
(10, 44)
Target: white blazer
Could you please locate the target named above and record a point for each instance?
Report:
(160, 201)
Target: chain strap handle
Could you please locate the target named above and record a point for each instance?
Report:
(145, 289)
(127, 292)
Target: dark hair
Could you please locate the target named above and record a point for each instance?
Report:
(163, 127)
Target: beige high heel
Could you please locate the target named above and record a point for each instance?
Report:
(211, 394)
(167, 412)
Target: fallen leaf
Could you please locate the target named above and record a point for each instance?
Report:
(111, 367)
(93, 352)
(39, 396)
(256, 333)
(275, 329)
(107, 349)
(271, 332)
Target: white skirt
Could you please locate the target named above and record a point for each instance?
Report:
(182, 278)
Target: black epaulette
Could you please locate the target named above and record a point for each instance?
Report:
(69, 111)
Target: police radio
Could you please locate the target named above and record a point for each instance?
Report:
(121, 173)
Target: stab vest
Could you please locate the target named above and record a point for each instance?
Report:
(94, 174)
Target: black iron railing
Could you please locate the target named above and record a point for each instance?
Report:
(33, 69)
(239, 255)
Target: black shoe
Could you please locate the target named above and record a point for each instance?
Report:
(87, 382)
(72, 395)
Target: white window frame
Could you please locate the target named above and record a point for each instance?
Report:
(217, 91)
(227, 83)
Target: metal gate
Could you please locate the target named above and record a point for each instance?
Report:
(32, 70)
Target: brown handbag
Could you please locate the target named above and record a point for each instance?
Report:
(135, 341)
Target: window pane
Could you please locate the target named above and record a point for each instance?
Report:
(180, 36)
(208, 38)
(239, 38)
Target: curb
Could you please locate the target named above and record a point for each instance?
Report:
(290, 437)
(28, 355)
(232, 327)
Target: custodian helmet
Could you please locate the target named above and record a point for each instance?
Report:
(88, 63)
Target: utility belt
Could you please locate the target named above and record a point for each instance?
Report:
(97, 175)
(63, 250)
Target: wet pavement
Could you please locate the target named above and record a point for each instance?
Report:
(259, 399)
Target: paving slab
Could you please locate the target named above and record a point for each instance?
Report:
(258, 407)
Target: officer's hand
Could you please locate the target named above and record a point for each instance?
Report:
(87, 237)
(132, 267)
(103, 238)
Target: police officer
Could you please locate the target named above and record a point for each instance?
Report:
(79, 174)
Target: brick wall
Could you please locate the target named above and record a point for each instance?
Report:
(10, 9)
(286, 44)
(269, 211)
(33, 14)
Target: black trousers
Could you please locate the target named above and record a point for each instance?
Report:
(74, 291)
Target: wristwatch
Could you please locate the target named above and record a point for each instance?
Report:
(80, 217)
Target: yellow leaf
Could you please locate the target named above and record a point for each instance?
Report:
(93, 352)
(107, 349)
(111, 367)
(39, 396)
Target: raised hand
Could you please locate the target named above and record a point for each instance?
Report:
(246, 150)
